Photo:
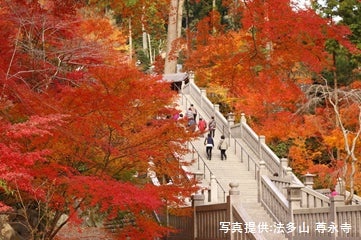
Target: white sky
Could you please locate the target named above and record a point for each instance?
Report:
(301, 3)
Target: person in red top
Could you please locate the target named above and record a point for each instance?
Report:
(333, 192)
(202, 125)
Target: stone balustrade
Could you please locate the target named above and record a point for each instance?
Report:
(287, 198)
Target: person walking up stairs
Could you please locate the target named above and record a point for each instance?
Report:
(223, 146)
(212, 126)
(209, 143)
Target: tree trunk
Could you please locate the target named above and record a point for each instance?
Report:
(174, 28)
(144, 36)
(151, 60)
(179, 17)
(145, 40)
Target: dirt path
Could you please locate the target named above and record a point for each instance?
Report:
(81, 233)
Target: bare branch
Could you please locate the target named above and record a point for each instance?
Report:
(339, 98)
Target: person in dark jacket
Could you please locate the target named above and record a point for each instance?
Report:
(209, 146)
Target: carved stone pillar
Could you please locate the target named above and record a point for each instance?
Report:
(214, 189)
(308, 179)
(294, 198)
(197, 199)
(231, 118)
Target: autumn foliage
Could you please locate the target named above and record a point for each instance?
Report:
(265, 68)
(80, 125)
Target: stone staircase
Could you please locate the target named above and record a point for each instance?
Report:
(225, 172)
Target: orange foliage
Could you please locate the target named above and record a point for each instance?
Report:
(301, 157)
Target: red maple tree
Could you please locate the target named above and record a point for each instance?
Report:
(81, 127)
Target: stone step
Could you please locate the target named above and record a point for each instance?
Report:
(231, 170)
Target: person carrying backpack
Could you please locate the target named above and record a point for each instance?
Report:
(212, 127)
(194, 112)
(209, 146)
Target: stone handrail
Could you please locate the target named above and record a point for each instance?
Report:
(248, 135)
(274, 200)
(326, 192)
(223, 125)
(281, 184)
(186, 101)
(313, 199)
(310, 198)
(258, 145)
(286, 198)
(218, 220)
(208, 107)
(245, 157)
(223, 221)
(240, 216)
(207, 172)
(345, 220)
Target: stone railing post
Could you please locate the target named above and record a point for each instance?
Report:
(214, 189)
(197, 199)
(231, 119)
(191, 76)
(203, 96)
(308, 180)
(294, 200)
(261, 141)
(261, 172)
(198, 176)
(243, 120)
(340, 186)
(232, 199)
(283, 166)
(335, 201)
(191, 82)
(182, 87)
(216, 108)
(289, 174)
(234, 191)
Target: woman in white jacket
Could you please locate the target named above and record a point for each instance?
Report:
(223, 146)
